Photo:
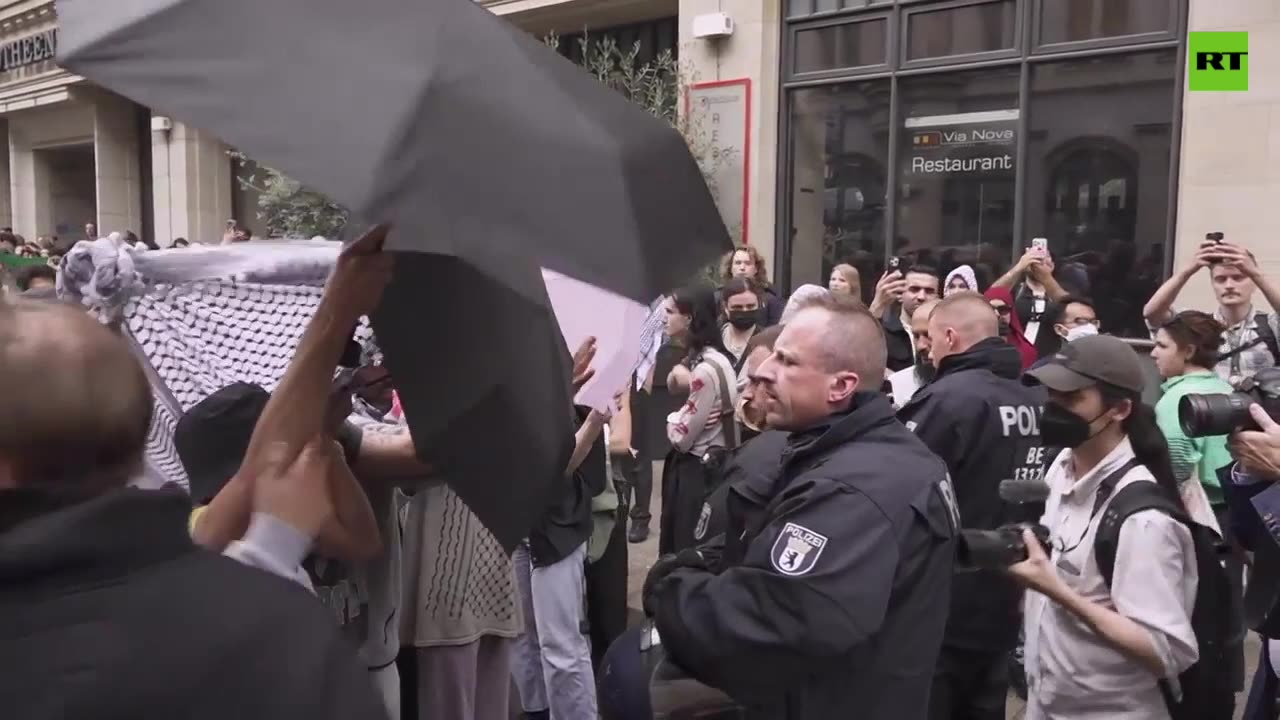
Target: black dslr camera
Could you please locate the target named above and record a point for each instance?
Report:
(997, 549)
(1211, 415)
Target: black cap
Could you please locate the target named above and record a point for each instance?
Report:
(213, 436)
(1090, 361)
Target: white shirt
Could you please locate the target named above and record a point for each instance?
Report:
(1072, 673)
(905, 383)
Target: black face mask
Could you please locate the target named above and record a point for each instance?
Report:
(744, 319)
(1005, 328)
(1059, 427)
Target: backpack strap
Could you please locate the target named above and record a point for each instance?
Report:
(1133, 498)
(1262, 324)
(727, 423)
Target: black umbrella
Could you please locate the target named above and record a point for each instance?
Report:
(433, 115)
(490, 155)
(482, 373)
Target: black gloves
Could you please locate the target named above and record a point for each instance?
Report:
(688, 558)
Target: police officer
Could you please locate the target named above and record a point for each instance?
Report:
(837, 605)
(983, 422)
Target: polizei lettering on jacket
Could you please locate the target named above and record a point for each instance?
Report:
(1020, 420)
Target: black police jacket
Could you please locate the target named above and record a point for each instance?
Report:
(838, 604)
(984, 424)
(748, 482)
(107, 610)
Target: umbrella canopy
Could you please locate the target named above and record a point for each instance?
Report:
(433, 115)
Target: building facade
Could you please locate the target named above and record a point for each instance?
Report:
(951, 132)
(79, 154)
(941, 131)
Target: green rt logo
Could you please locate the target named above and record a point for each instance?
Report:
(1218, 61)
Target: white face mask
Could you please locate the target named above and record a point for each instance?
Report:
(1081, 331)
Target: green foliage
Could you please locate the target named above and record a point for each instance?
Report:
(288, 208)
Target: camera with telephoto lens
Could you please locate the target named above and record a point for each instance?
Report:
(997, 549)
(1222, 414)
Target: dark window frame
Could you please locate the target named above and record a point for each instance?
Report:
(890, 46)
(1030, 53)
(910, 11)
(1039, 47)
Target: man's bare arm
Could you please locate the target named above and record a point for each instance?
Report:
(296, 411)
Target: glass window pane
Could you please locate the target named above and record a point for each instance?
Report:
(957, 157)
(962, 30)
(841, 46)
(840, 160)
(1098, 177)
(1073, 20)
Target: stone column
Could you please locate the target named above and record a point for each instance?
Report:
(191, 174)
(115, 149)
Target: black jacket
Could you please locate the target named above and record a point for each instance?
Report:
(985, 425)
(749, 476)
(107, 610)
(567, 521)
(838, 604)
(897, 340)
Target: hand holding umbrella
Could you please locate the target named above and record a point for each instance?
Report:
(362, 273)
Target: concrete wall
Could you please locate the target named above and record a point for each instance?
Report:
(1230, 174)
(752, 52)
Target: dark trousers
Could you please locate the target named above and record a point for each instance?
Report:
(684, 488)
(969, 685)
(638, 473)
(607, 593)
(1234, 565)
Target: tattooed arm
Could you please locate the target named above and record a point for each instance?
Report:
(387, 454)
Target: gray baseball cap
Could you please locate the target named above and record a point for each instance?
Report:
(1090, 361)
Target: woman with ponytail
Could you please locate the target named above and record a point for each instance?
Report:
(1095, 649)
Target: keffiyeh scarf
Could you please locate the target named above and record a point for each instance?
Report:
(201, 318)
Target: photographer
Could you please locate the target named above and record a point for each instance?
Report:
(1247, 486)
(1109, 627)
(1249, 342)
(981, 421)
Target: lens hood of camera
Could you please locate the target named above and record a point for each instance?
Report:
(1216, 414)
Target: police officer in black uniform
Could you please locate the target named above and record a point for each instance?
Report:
(832, 602)
(983, 422)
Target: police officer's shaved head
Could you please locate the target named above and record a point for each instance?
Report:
(959, 322)
(829, 350)
(853, 340)
(77, 403)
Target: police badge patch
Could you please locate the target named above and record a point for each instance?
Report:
(796, 550)
(699, 532)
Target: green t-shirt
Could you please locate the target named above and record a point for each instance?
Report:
(1203, 455)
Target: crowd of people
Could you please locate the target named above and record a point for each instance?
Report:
(907, 508)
